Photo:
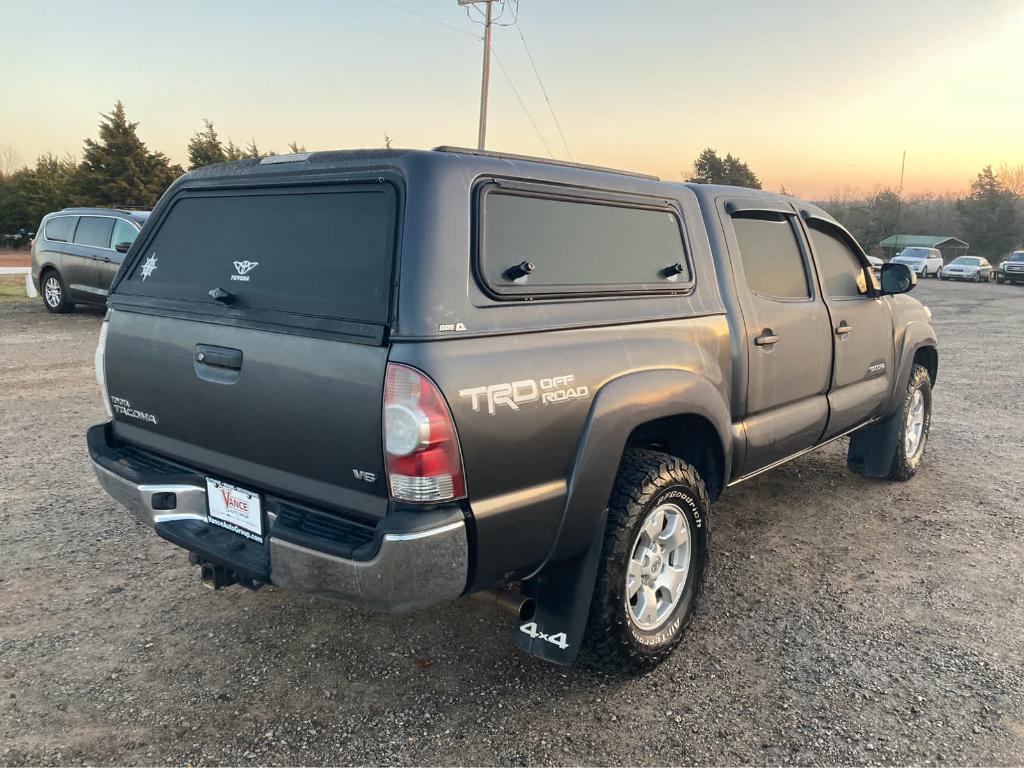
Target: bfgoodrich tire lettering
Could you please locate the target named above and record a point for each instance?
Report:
(915, 417)
(647, 482)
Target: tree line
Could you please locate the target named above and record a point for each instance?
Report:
(117, 169)
(990, 217)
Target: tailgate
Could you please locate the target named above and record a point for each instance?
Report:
(299, 417)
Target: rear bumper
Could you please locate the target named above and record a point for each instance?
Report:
(408, 563)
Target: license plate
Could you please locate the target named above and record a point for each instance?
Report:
(235, 509)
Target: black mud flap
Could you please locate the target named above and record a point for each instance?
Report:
(872, 448)
(562, 594)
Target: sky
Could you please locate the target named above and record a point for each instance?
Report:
(817, 97)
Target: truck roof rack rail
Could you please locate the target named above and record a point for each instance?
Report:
(545, 160)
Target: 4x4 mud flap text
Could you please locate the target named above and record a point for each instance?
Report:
(562, 594)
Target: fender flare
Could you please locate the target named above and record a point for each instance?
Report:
(562, 587)
(917, 335)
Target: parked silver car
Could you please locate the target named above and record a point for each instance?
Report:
(973, 268)
(77, 252)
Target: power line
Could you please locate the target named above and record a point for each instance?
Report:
(429, 18)
(521, 103)
(541, 83)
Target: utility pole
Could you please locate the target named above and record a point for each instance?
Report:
(485, 82)
(899, 203)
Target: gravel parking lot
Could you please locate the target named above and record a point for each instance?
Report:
(846, 620)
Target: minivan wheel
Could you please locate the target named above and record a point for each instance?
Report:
(915, 419)
(653, 565)
(55, 293)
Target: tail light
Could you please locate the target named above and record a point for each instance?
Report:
(421, 447)
(101, 371)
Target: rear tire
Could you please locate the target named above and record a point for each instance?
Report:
(654, 562)
(54, 292)
(915, 421)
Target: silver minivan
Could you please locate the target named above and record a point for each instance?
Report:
(77, 252)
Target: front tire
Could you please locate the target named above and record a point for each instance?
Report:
(55, 293)
(915, 420)
(654, 561)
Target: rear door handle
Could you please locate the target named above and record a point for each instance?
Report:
(766, 339)
(842, 329)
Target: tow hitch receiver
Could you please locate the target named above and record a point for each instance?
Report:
(214, 576)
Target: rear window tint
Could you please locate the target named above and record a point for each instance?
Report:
(579, 246)
(772, 260)
(61, 228)
(315, 252)
(123, 233)
(94, 231)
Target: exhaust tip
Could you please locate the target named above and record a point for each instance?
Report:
(527, 610)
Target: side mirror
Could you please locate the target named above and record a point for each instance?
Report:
(897, 278)
(122, 247)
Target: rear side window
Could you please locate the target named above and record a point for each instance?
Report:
(94, 231)
(61, 228)
(771, 255)
(123, 233)
(322, 251)
(546, 245)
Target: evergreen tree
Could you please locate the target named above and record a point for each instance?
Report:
(709, 168)
(233, 152)
(988, 216)
(204, 148)
(119, 169)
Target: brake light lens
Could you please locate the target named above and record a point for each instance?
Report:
(101, 372)
(421, 447)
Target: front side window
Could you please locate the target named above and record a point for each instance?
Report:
(841, 270)
(534, 244)
(123, 233)
(771, 256)
(60, 229)
(94, 231)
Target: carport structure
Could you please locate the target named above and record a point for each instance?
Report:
(950, 247)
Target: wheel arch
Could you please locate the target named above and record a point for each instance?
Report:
(687, 436)
(928, 356)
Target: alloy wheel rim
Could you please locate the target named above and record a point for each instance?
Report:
(914, 432)
(52, 291)
(659, 564)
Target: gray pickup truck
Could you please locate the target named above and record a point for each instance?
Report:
(394, 378)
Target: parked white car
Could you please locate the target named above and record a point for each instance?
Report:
(973, 268)
(926, 262)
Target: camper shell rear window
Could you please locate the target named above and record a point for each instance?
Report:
(323, 251)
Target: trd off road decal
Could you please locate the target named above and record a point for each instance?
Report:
(512, 394)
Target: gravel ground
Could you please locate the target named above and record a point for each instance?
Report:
(846, 620)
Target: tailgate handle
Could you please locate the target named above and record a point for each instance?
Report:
(219, 357)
